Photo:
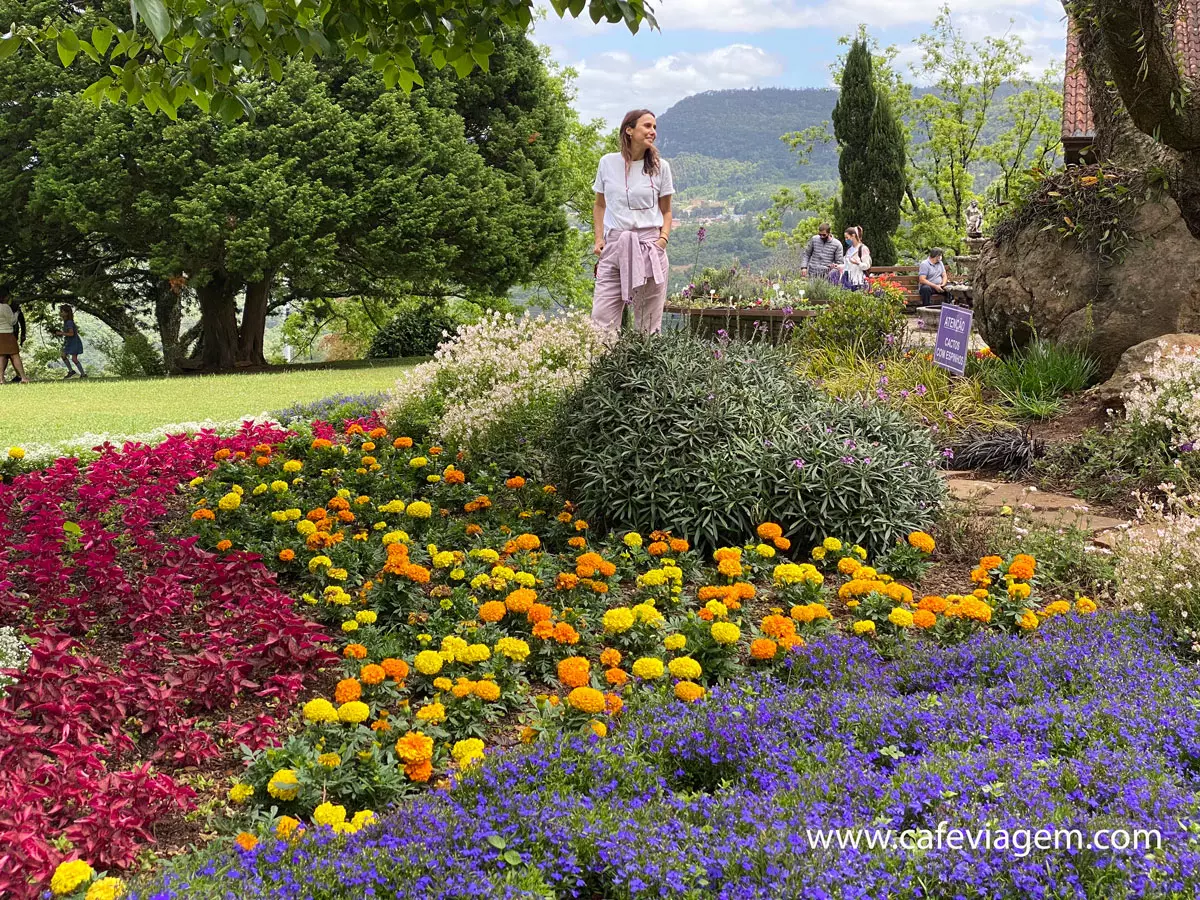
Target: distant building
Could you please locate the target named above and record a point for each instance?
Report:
(1078, 120)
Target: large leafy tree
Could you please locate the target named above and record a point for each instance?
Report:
(337, 186)
(165, 53)
(872, 156)
(1145, 99)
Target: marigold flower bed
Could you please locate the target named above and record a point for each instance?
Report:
(1087, 725)
(146, 644)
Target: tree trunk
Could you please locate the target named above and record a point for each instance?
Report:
(1128, 52)
(218, 323)
(168, 314)
(254, 321)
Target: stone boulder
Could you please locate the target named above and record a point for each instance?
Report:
(1037, 283)
(1135, 363)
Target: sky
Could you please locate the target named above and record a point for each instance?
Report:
(705, 45)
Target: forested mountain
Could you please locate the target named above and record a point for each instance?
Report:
(745, 127)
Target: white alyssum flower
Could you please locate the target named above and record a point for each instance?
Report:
(1164, 400)
(13, 654)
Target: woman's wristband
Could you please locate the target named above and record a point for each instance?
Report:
(664, 238)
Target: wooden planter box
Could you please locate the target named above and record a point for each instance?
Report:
(774, 325)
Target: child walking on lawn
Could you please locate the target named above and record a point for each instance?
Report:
(72, 345)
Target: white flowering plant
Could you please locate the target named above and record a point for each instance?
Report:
(1158, 565)
(14, 654)
(492, 389)
(1163, 401)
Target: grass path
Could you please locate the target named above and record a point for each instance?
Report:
(48, 412)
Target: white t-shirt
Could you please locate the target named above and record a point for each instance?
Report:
(637, 208)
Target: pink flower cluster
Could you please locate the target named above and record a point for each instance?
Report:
(141, 635)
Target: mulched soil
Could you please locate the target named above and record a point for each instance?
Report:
(1082, 412)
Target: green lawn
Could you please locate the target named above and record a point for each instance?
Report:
(49, 412)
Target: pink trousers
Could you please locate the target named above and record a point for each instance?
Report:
(632, 270)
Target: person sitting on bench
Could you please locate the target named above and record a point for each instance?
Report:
(931, 278)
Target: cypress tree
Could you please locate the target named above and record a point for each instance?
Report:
(871, 157)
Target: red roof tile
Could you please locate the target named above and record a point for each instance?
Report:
(1078, 121)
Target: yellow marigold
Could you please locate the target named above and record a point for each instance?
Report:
(230, 501)
(19, 453)
(110, 888)
(921, 541)
(418, 509)
(648, 668)
(598, 728)
(1028, 620)
(414, 747)
(329, 815)
(284, 785)
(1085, 605)
(354, 713)
(768, 531)
(329, 760)
(675, 642)
(488, 691)
(68, 876)
(433, 713)
(725, 632)
(831, 544)
(864, 626)
(923, 618)
(901, 618)
(574, 671)
(848, 565)
(1019, 590)
(684, 667)
(320, 710)
(586, 699)
(428, 662)
(618, 620)
(241, 792)
(633, 540)
(513, 648)
(287, 826)
(1057, 608)
(688, 691)
(763, 648)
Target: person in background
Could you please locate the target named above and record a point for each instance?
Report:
(12, 333)
(857, 262)
(931, 277)
(72, 343)
(821, 254)
(631, 221)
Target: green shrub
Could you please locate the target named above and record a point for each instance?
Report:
(870, 326)
(710, 440)
(1035, 379)
(132, 357)
(413, 332)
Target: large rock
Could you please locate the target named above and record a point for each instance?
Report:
(1136, 361)
(1036, 283)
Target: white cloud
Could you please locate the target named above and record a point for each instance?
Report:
(611, 83)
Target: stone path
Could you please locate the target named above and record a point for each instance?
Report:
(1053, 510)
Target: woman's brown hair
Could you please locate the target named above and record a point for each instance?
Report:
(650, 160)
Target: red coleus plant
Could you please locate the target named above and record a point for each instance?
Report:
(145, 643)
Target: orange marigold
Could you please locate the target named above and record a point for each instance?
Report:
(658, 548)
(610, 657)
(419, 771)
(564, 633)
(782, 543)
(223, 453)
(539, 612)
(616, 677)
(355, 651)
(768, 531)
(246, 841)
(515, 482)
(224, 544)
(414, 747)
(396, 669)
(402, 443)
(204, 514)
(613, 704)
(991, 562)
(923, 618)
(574, 671)
(347, 689)
(287, 554)
(492, 611)
(778, 627)
(543, 630)
(577, 543)
(679, 545)
(566, 581)
(762, 648)
(528, 542)
(521, 600)
(372, 674)
(933, 604)
(473, 529)
(456, 476)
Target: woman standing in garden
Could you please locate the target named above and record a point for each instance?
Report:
(10, 345)
(631, 220)
(852, 273)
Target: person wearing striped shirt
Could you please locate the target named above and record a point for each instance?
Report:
(821, 254)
